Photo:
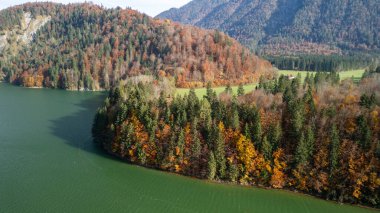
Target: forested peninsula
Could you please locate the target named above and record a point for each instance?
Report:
(319, 136)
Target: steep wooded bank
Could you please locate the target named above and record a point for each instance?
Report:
(85, 46)
(320, 137)
(291, 27)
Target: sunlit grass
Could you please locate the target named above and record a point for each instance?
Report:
(343, 75)
(355, 74)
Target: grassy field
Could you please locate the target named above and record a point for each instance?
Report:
(356, 74)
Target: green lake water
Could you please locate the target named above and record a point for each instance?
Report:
(49, 164)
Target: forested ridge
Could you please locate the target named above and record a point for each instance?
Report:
(85, 46)
(300, 30)
(320, 137)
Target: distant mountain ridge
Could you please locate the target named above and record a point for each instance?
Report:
(289, 26)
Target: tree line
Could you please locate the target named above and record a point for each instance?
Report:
(320, 63)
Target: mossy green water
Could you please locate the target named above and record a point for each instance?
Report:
(49, 164)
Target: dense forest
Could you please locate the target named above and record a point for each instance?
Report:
(292, 28)
(320, 137)
(85, 46)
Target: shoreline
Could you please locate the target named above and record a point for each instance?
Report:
(236, 184)
(68, 90)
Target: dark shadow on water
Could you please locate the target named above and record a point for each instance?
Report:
(75, 129)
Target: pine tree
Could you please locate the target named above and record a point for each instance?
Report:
(267, 149)
(257, 131)
(274, 135)
(307, 80)
(233, 172)
(368, 101)
(196, 149)
(334, 148)
(295, 85)
(240, 90)
(235, 120)
(210, 93)
(296, 118)
(228, 89)
(310, 140)
(247, 131)
(211, 166)
(363, 133)
(205, 114)
(309, 102)
(181, 142)
(192, 104)
(219, 151)
(302, 151)
(196, 145)
(288, 96)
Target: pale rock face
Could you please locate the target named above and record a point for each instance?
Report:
(22, 34)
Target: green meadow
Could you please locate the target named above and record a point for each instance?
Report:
(355, 74)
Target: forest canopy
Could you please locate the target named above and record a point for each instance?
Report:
(320, 137)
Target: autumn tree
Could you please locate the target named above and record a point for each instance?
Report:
(278, 176)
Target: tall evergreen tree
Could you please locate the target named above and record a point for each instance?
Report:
(233, 171)
(196, 143)
(192, 104)
(205, 113)
(181, 142)
(302, 151)
(334, 148)
(211, 166)
(267, 149)
(310, 140)
(235, 123)
(247, 131)
(309, 102)
(363, 133)
(210, 94)
(274, 135)
(219, 152)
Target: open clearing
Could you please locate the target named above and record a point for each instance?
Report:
(355, 74)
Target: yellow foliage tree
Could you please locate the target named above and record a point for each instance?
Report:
(251, 163)
(278, 177)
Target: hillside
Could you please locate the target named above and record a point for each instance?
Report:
(289, 27)
(87, 47)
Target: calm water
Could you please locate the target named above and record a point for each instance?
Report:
(49, 164)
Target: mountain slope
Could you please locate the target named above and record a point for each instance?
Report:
(85, 46)
(294, 26)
